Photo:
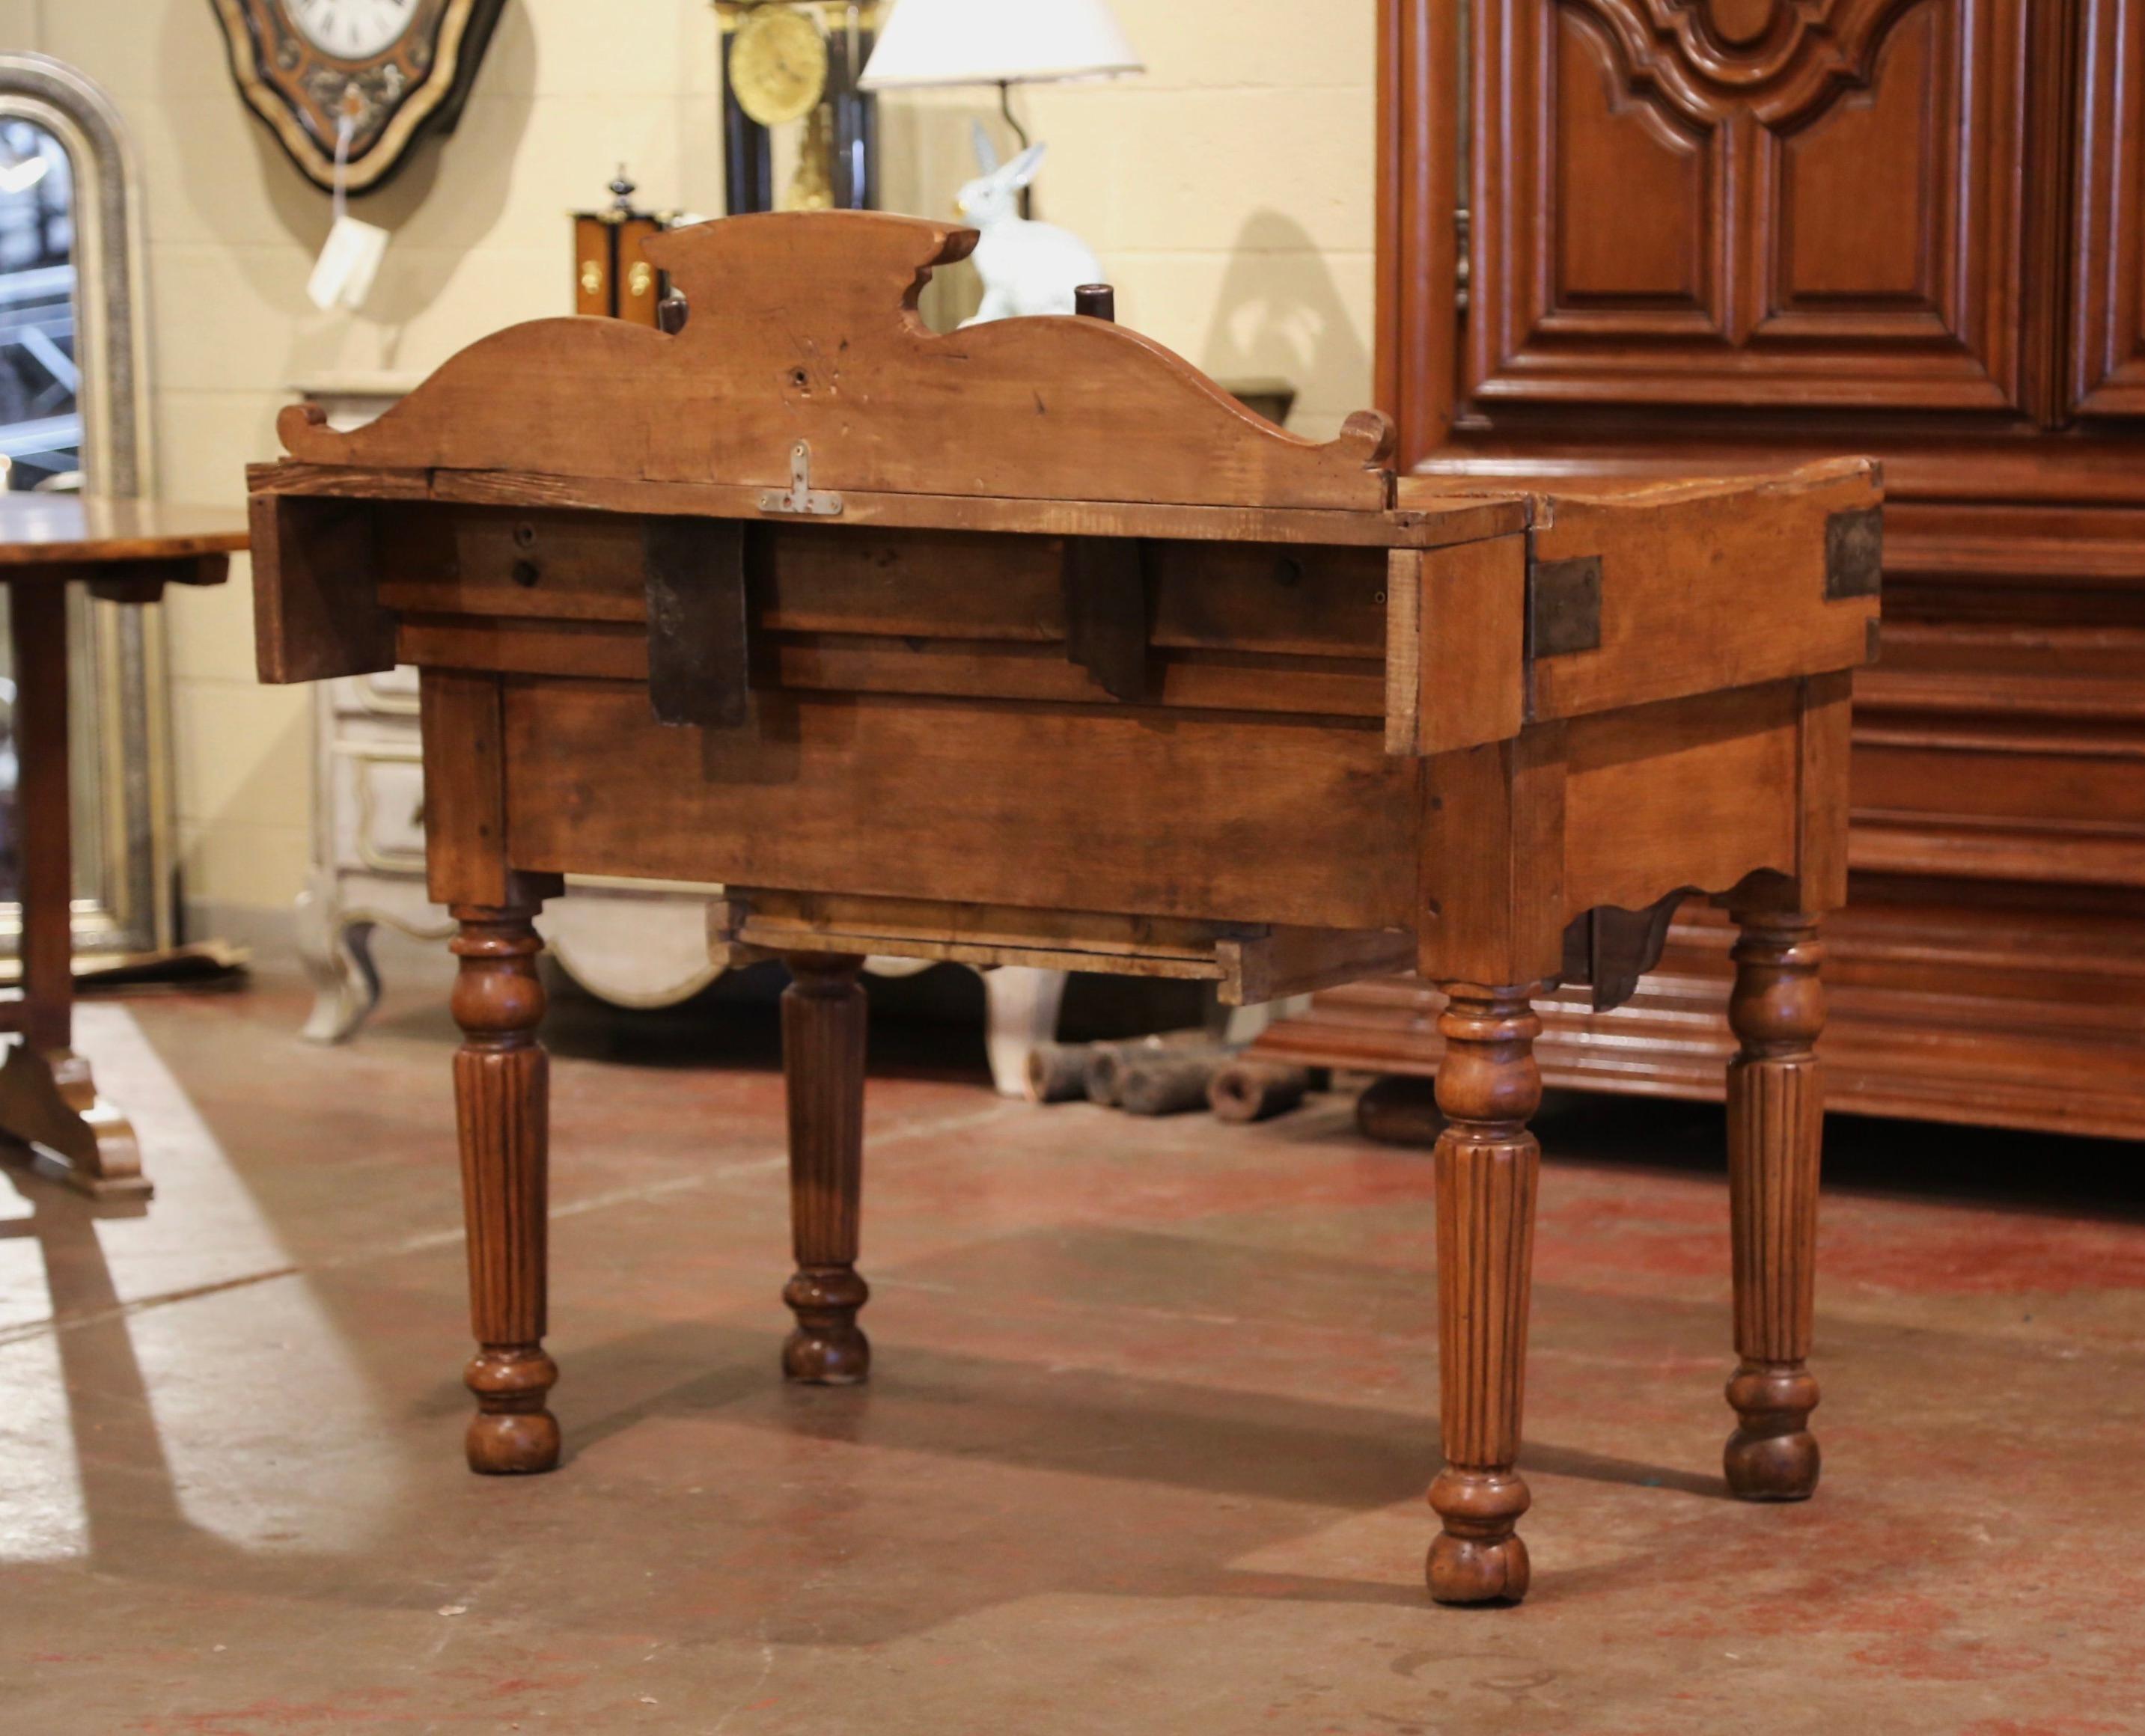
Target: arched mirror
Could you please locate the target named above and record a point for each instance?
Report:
(72, 415)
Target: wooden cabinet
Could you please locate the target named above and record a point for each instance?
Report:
(2108, 310)
(1624, 236)
(1736, 203)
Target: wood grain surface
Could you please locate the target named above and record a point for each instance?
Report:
(57, 530)
(804, 327)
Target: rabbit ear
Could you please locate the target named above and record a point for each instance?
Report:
(1022, 169)
(987, 155)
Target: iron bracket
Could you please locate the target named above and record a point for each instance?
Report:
(800, 496)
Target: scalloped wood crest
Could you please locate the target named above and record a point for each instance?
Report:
(803, 326)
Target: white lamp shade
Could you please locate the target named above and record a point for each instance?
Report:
(997, 42)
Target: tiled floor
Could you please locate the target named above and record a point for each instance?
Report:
(1152, 1415)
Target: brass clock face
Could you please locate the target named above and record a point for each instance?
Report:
(778, 64)
(395, 69)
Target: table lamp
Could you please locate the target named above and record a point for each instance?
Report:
(1003, 42)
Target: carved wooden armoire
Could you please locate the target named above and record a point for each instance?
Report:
(1624, 236)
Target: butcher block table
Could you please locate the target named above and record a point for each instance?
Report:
(1028, 645)
(124, 551)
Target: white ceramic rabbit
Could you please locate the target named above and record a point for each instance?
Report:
(1027, 267)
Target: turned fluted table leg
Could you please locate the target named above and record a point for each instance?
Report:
(501, 1105)
(823, 1063)
(1775, 1129)
(1488, 1166)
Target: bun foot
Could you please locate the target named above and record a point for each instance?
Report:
(1478, 1558)
(1463, 1571)
(512, 1434)
(1772, 1456)
(515, 1445)
(827, 1347)
(1771, 1467)
(836, 1356)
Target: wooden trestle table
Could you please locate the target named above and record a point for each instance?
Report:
(1025, 644)
(124, 551)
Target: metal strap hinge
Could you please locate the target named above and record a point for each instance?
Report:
(1854, 553)
(800, 496)
(1564, 606)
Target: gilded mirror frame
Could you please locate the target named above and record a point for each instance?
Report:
(124, 901)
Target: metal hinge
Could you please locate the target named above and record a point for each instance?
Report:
(1855, 553)
(1564, 606)
(800, 496)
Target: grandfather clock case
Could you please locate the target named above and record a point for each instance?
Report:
(1620, 237)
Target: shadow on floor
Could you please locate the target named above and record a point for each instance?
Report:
(953, 1483)
(1086, 1422)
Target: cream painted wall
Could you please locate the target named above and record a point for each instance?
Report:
(1228, 192)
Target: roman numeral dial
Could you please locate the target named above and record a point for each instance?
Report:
(352, 29)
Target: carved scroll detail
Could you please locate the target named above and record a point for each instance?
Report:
(1784, 60)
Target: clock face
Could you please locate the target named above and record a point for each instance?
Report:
(352, 29)
(778, 65)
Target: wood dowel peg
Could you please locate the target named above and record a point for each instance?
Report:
(1096, 301)
(1250, 1091)
(1057, 1072)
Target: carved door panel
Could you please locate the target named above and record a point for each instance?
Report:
(2108, 299)
(1810, 202)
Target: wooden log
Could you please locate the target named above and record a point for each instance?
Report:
(1250, 1091)
(1057, 1072)
(1107, 1061)
(1169, 1082)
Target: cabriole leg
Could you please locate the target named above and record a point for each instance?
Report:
(1776, 1128)
(823, 1063)
(501, 1105)
(1488, 1165)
